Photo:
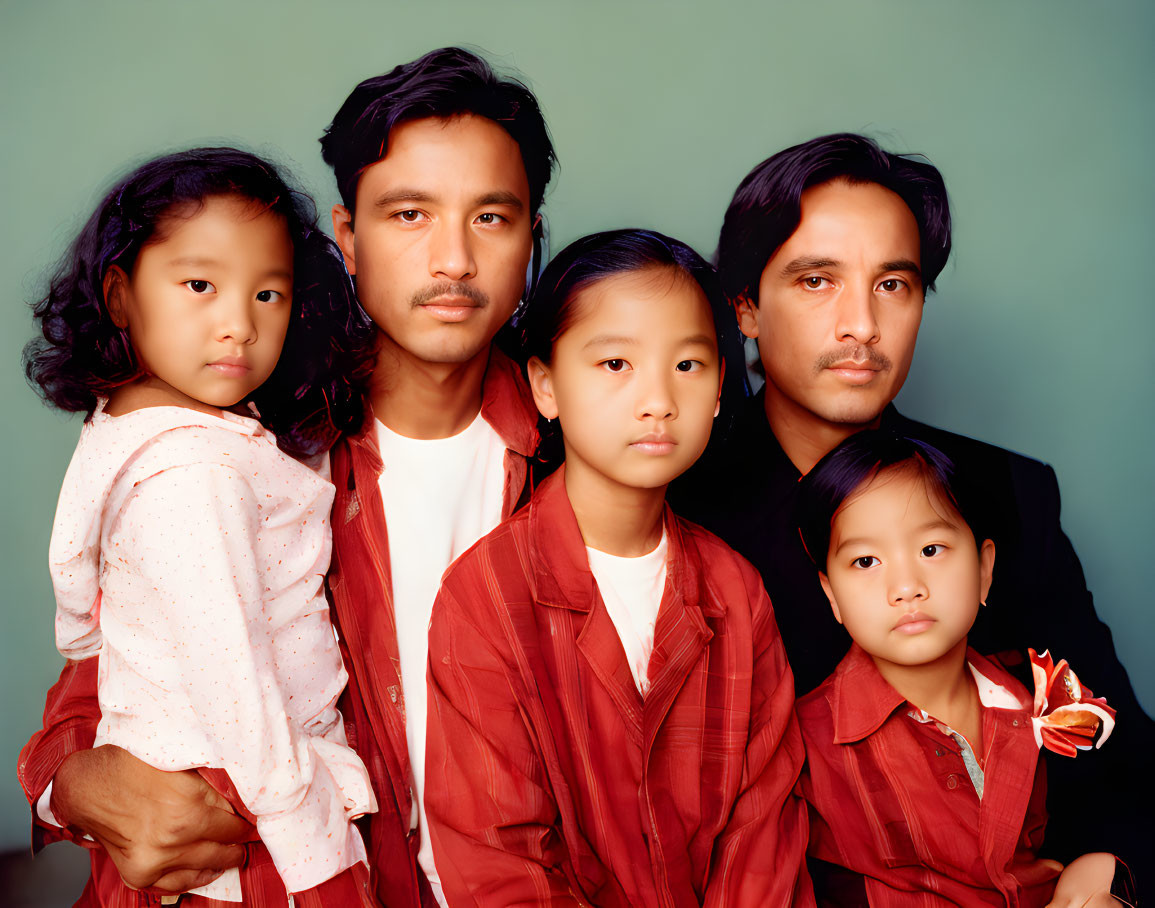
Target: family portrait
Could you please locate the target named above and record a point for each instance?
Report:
(553, 455)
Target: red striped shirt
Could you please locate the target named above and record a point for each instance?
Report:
(893, 811)
(550, 780)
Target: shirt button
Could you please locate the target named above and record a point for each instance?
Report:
(939, 752)
(1015, 723)
(952, 781)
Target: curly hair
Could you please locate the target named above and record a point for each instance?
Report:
(317, 390)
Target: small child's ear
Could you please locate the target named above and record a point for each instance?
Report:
(115, 288)
(747, 314)
(541, 384)
(986, 568)
(825, 581)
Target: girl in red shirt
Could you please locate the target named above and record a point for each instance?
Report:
(923, 775)
(611, 715)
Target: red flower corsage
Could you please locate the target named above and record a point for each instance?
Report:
(1066, 716)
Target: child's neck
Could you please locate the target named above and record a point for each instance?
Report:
(944, 689)
(614, 519)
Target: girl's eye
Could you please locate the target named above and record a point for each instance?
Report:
(688, 365)
(929, 551)
(814, 282)
(614, 365)
(199, 286)
(269, 296)
(865, 561)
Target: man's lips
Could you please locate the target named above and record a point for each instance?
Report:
(913, 623)
(654, 443)
(450, 308)
(855, 373)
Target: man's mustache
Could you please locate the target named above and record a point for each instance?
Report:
(458, 289)
(860, 355)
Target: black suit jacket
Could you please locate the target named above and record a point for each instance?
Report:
(745, 492)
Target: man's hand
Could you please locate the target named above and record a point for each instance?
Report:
(170, 831)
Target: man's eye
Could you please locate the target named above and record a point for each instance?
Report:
(614, 365)
(197, 286)
(865, 561)
(929, 551)
(489, 218)
(892, 285)
(814, 282)
(410, 215)
(688, 365)
(268, 296)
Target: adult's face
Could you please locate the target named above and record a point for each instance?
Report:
(442, 237)
(839, 305)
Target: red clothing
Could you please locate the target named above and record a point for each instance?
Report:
(362, 611)
(891, 800)
(549, 780)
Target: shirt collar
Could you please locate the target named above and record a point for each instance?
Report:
(863, 700)
(561, 574)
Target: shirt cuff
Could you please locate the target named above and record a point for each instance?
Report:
(44, 808)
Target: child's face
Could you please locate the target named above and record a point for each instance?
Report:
(634, 380)
(207, 305)
(904, 575)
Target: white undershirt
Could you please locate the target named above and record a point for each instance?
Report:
(440, 496)
(632, 591)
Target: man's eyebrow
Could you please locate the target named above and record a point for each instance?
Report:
(902, 265)
(398, 196)
(806, 263)
(502, 197)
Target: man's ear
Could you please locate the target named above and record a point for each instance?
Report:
(343, 233)
(747, 314)
(986, 568)
(115, 289)
(825, 581)
(541, 384)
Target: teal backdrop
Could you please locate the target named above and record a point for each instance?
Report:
(1038, 112)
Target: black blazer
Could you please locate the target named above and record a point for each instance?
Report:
(745, 491)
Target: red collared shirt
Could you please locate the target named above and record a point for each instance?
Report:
(892, 802)
(362, 611)
(550, 780)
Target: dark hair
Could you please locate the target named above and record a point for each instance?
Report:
(593, 258)
(860, 458)
(316, 391)
(443, 83)
(767, 206)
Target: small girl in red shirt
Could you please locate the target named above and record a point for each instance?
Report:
(923, 775)
(611, 713)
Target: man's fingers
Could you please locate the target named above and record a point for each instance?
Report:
(227, 828)
(201, 863)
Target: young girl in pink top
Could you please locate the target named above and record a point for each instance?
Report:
(207, 330)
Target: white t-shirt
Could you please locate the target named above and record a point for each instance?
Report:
(632, 591)
(440, 496)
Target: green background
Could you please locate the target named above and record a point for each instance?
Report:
(1038, 113)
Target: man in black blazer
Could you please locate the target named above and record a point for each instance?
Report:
(827, 251)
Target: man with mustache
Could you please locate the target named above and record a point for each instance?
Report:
(827, 251)
(442, 166)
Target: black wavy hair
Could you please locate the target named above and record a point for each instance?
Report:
(863, 456)
(767, 205)
(443, 83)
(592, 258)
(316, 391)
